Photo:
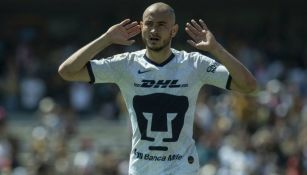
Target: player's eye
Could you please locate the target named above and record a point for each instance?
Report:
(148, 24)
(161, 24)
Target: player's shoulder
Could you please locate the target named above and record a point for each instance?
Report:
(137, 54)
(184, 56)
(128, 56)
(136, 57)
(116, 58)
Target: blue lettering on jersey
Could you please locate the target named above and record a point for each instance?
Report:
(154, 157)
(160, 84)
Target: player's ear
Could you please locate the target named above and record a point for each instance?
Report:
(174, 30)
(141, 25)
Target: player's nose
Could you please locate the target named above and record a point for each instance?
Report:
(153, 30)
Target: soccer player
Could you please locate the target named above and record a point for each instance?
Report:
(160, 85)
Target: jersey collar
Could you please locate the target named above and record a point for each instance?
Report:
(160, 64)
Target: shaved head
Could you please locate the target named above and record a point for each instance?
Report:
(160, 8)
(158, 27)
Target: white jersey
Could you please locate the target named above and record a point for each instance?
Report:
(161, 101)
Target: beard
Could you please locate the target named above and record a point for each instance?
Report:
(157, 48)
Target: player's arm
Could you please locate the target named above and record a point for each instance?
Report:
(242, 80)
(74, 67)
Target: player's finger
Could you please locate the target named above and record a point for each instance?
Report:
(193, 29)
(203, 24)
(124, 22)
(130, 25)
(124, 32)
(191, 34)
(192, 43)
(197, 26)
(128, 42)
(134, 28)
(134, 32)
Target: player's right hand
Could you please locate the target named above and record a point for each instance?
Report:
(122, 32)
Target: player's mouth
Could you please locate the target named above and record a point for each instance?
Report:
(154, 38)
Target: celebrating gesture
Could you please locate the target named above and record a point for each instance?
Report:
(122, 32)
(160, 85)
(202, 38)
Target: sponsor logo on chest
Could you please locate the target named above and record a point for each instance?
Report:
(160, 84)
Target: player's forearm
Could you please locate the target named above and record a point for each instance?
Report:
(242, 78)
(79, 59)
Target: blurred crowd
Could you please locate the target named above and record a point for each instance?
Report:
(261, 134)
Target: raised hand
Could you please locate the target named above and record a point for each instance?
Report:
(202, 38)
(122, 32)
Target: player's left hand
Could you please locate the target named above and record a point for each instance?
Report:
(202, 38)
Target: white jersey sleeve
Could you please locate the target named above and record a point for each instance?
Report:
(212, 72)
(107, 70)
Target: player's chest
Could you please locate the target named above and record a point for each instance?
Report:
(162, 78)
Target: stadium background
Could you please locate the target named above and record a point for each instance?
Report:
(49, 126)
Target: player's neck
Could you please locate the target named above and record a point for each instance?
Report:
(158, 56)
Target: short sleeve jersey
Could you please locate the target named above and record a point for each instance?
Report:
(161, 100)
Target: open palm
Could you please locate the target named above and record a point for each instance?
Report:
(202, 38)
(122, 32)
